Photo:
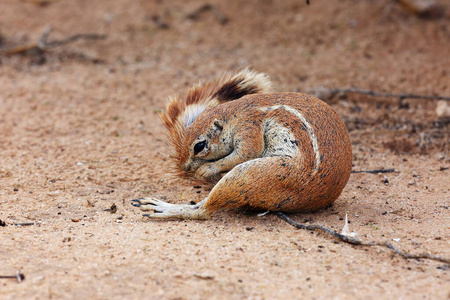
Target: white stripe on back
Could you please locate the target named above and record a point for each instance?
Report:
(307, 125)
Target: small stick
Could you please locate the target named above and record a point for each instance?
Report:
(19, 49)
(377, 94)
(23, 224)
(413, 256)
(19, 276)
(112, 209)
(73, 38)
(376, 171)
(39, 45)
(42, 2)
(334, 233)
(355, 241)
(326, 93)
(42, 44)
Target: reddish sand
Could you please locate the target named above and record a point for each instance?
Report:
(79, 132)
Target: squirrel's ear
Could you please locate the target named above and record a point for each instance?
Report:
(243, 83)
(218, 124)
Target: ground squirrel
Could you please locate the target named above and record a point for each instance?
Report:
(286, 152)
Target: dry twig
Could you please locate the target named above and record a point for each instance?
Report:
(41, 2)
(24, 224)
(325, 93)
(19, 276)
(375, 171)
(356, 241)
(334, 233)
(42, 44)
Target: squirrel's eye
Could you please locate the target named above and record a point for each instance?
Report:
(199, 147)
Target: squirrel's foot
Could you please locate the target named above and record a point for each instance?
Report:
(163, 210)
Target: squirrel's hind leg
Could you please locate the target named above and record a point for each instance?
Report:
(162, 210)
(266, 183)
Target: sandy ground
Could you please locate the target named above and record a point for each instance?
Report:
(79, 132)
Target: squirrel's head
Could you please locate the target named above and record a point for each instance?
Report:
(205, 141)
(186, 135)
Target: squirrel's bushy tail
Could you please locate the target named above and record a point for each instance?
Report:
(180, 113)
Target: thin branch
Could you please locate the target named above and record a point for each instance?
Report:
(76, 37)
(334, 233)
(19, 276)
(20, 49)
(414, 256)
(328, 93)
(42, 44)
(355, 241)
(24, 224)
(375, 171)
(37, 46)
(378, 94)
(42, 2)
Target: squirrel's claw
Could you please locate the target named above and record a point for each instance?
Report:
(162, 210)
(146, 203)
(139, 202)
(136, 202)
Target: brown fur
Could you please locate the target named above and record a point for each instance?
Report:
(269, 151)
(228, 88)
(276, 183)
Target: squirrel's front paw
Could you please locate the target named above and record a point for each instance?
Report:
(208, 172)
